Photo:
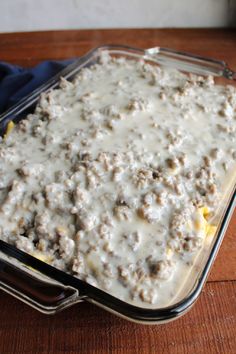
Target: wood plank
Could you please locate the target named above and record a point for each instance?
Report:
(38, 46)
(224, 267)
(209, 327)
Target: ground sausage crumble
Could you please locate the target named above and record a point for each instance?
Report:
(116, 176)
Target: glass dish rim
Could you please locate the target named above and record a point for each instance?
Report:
(87, 291)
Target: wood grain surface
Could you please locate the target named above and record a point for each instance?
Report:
(210, 326)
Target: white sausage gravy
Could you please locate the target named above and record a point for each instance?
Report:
(116, 177)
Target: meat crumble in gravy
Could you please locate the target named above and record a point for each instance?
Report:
(116, 176)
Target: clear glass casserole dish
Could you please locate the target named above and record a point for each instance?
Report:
(49, 289)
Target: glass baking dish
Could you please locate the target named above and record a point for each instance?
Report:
(50, 290)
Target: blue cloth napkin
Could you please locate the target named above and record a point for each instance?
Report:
(16, 82)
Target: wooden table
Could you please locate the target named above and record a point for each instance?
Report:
(210, 327)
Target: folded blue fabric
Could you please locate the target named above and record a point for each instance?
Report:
(16, 82)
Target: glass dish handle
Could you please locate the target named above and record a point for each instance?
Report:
(44, 296)
(189, 62)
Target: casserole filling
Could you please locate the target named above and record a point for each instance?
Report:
(118, 176)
